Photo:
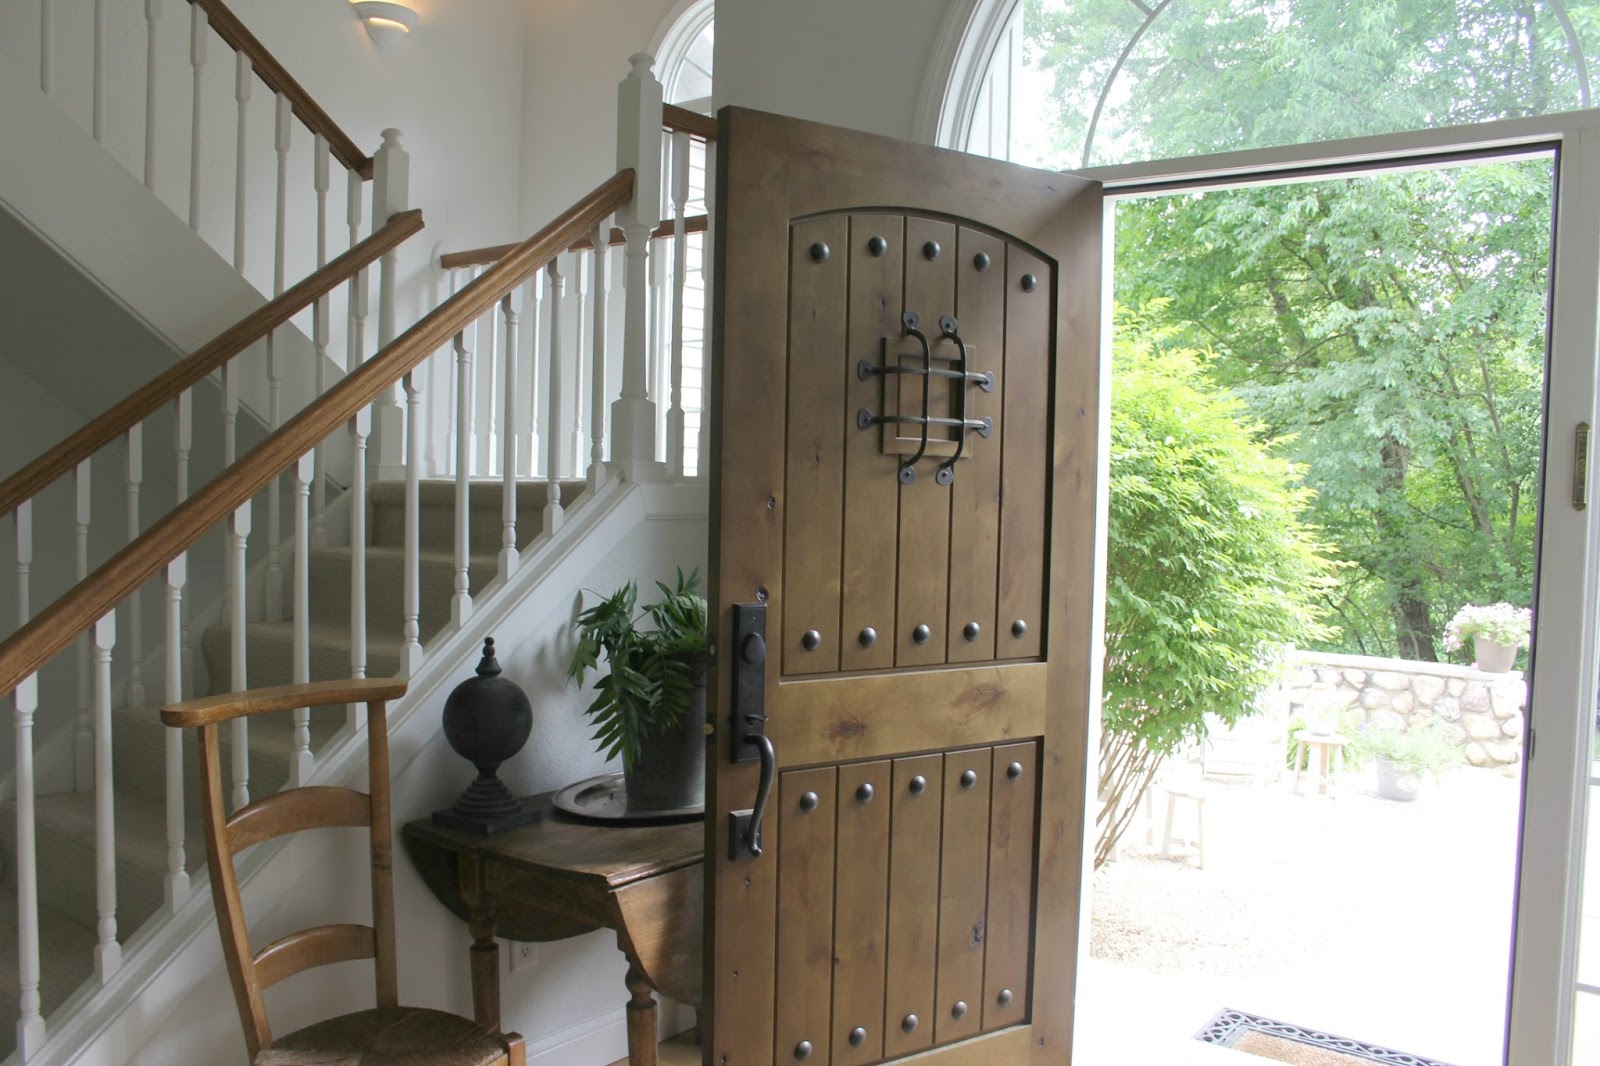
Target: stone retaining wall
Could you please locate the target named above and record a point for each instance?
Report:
(1482, 711)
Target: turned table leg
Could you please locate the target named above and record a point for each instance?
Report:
(485, 951)
(641, 1016)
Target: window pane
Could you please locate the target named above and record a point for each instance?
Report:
(1586, 1031)
(1589, 927)
(1107, 82)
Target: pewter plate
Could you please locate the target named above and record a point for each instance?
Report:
(605, 799)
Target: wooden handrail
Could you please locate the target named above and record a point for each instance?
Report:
(91, 599)
(693, 123)
(270, 71)
(492, 254)
(166, 386)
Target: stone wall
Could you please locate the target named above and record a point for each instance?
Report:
(1482, 711)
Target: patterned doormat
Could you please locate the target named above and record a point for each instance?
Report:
(1283, 1042)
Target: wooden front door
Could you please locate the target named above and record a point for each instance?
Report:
(904, 453)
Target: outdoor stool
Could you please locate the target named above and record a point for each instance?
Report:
(1196, 795)
(1325, 748)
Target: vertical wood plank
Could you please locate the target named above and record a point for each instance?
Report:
(1010, 910)
(963, 889)
(861, 895)
(924, 553)
(814, 482)
(975, 493)
(912, 946)
(1022, 428)
(873, 494)
(805, 899)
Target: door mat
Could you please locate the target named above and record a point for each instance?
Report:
(1282, 1042)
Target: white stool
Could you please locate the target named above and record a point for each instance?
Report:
(1196, 795)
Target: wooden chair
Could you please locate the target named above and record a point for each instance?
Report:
(390, 1033)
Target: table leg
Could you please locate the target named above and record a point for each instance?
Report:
(485, 968)
(641, 1017)
(1299, 752)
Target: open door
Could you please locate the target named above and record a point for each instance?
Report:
(904, 453)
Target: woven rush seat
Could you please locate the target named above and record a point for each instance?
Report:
(388, 1036)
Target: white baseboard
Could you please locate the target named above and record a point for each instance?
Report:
(602, 1038)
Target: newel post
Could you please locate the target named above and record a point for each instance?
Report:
(633, 416)
(391, 194)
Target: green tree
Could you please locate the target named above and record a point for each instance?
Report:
(1210, 568)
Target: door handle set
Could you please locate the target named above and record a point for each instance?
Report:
(911, 324)
(750, 740)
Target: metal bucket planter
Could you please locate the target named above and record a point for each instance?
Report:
(670, 772)
(1396, 781)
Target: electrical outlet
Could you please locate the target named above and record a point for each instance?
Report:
(522, 956)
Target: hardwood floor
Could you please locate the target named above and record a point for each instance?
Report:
(680, 1050)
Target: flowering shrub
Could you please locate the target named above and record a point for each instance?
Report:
(1499, 622)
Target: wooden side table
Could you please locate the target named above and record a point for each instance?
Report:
(560, 877)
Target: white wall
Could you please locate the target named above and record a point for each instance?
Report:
(854, 63)
(569, 1004)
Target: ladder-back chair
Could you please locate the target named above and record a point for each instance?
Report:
(389, 1033)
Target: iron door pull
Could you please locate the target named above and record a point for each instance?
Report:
(746, 825)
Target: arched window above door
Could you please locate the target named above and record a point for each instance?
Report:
(1075, 83)
(683, 55)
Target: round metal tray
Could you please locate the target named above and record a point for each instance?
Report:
(605, 799)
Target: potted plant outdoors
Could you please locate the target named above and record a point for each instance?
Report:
(1496, 632)
(650, 707)
(1401, 758)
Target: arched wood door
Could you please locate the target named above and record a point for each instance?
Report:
(904, 454)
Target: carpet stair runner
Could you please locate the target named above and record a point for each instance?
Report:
(65, 821)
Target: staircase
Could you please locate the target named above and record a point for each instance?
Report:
(66, 821)
(532, 386)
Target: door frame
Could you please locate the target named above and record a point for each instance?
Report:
(1542, 979)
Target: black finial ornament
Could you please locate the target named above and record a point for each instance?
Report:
(487, 720)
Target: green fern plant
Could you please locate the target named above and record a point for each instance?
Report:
(653, 670)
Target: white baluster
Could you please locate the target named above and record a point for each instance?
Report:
(301, 762)
(241, 93)
(391, 194)
(319, 341)
(177, 881)
(198, 32)
(30, 1023)
(185, 441)
(580, 295)
(411, 608)
(274, 586)
(360, 431)
(152, 15)
(107, 952)
(355, 347)
(238, 538)
(680, 276)
(553, 512)
(47, 46)
(461, 601)
(136, 597)
(535, 320)
(659, 306)
(230, 443)
(597, 361)
(98, 121)
(707, 267)
(83, 761)
(509, 557)
(473, 451)
(489, 372)
(23, 517)
(633, 416)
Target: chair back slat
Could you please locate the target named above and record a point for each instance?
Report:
(310, 948)
(289, 811)
(311, 807)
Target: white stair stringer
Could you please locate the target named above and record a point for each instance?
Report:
(167, 959)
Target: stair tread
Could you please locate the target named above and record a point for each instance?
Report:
(141, 825)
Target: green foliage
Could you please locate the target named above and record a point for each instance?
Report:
(652, 672)
(1428, 749)
(1209, 565)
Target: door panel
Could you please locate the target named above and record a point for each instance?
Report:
(903, 465)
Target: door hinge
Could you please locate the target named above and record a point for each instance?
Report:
(1580, 467)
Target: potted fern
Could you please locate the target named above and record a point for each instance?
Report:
(650, 707)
